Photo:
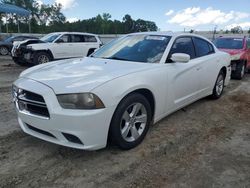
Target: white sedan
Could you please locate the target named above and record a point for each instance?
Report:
(117, 92)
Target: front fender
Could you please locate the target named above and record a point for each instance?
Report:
(112, 92)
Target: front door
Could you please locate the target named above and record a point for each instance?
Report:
(62, 47)
(183, 77)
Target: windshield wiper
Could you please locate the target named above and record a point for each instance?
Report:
(117, 58)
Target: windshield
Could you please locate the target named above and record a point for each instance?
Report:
(9, 39)
(229, 43)
(139, 48)
(50, 37)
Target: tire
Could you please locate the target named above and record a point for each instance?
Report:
(20, 63)
(219, 86)
(125, 132)
(248, 69)
(240, 71)
(41, 58)
(90, 51)
(4, 50)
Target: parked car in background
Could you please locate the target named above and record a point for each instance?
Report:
(119, 90)
(239, 49)
(7, 44)
(55, 46)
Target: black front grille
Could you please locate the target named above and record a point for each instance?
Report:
(32, 103)
(72, 138)
(38, 110)
(34, 97)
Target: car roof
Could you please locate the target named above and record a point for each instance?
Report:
(80, 33)
(170, 33)
(25, 36)
(231, 37)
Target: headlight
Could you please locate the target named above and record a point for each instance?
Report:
(80, 101)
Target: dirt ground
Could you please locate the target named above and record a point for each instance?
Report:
(206, 144)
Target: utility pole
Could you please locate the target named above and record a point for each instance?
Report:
(214, 32)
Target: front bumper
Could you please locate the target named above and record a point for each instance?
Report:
(90, 127)
(22, 54)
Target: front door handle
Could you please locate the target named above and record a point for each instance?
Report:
(198, 68)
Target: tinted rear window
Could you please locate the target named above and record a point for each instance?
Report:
(77, 38)
(229, 43)
(89, 38)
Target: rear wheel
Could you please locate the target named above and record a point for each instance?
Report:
(42, 57)
(4, 50)
(130, 122)
(240, 71)
(90, 51)
(219, 86)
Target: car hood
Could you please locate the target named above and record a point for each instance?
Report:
(28, 42)
(81, 75)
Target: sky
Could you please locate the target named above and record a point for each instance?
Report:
(175, 15)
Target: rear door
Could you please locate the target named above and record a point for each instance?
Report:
(209, 66)
(83, 44)
(79, 45)
(90, 43)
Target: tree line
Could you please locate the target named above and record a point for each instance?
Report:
(46, 18)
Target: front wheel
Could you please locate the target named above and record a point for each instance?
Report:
(42, 57)
(219, 86)
(4, 50)
(130, 122)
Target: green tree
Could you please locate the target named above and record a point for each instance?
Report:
(237, 29)
(191, 31)
(41, 15)
(48, 18)
(129, 24)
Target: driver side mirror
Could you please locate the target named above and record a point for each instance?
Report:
(180, 57)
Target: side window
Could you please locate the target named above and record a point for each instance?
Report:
(182, 45)
(77, 38)
(211, 48)
(18, 39)
(89, 38)
(64, 39)
(202, 47)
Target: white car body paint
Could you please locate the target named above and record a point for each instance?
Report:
(173, 85)
(64, 50)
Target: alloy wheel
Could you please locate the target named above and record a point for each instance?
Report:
(43, 59)
(133, 122)
(4, 51)
(219, 84)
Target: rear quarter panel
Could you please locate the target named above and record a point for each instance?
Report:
(225, 61)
